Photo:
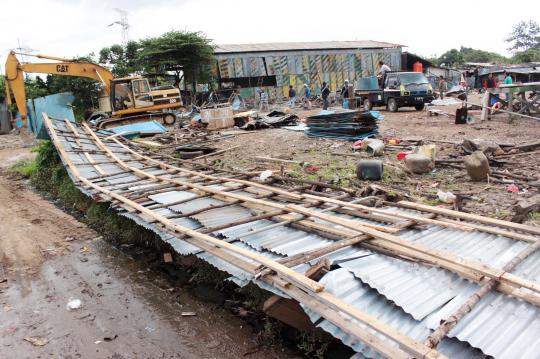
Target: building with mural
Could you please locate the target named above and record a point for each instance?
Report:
(277, 65)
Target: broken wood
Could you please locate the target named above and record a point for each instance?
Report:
(215, 153)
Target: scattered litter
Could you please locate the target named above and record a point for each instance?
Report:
(188, 314)
(402, 155)
(70, 239)
(74, 304)
(301, 127)
(265, 175)
(85, 249)
(512, 188)
(97, 342)
(312, 168)
(7, 308)
(427, 150)
(37, 341)
(446, 197)
(375, 148)
(167, 257)
(272, 119)
(370, 170)
(149, 329)
(110, 338)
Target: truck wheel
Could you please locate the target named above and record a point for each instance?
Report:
(169, 119)
(367, 105)
(392, 105)
(419, 106)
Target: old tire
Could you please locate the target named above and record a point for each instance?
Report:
(419, 106)
(367, 105)
(169, 119)
(392, 105)
(186, 155)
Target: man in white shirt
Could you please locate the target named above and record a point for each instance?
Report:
(384, 68)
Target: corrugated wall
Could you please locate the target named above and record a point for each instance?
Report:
(297, 68)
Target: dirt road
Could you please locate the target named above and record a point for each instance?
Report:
(48, 258)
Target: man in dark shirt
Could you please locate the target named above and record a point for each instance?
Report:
(292, 96)
(325, 92)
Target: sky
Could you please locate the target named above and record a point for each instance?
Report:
(69, 28)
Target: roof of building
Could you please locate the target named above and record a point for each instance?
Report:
(303, 46)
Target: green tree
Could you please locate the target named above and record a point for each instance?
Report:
(451, 58)
(474, 55)
(525, 35)
(122, 61)
(188, 54)
(529, 55)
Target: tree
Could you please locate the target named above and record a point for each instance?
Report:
(529, 55)
(188, 54)
(122, 61)
(525, 35)
(451, 58)
(474, 55)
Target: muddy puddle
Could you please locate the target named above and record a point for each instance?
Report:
(126, 311)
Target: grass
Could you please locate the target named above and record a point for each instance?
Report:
(534, 216)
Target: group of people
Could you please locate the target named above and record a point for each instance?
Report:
(325, 92)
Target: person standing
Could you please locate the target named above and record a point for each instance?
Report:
(292, 96)
(383, 69)
(443, 87)
(325, 93)
(490, 82)
(507, 81)
(263, 103)
(307, 97)
(345, 94)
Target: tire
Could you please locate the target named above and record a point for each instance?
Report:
(419, 106)
(186, 155)
(169, 119)
(367, 105)
(392, 105)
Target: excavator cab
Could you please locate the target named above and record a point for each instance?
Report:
(130, 93)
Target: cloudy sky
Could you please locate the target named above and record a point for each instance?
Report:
(77, 27)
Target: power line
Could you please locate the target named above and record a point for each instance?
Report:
(123, 22)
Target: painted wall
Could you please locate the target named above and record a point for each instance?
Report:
(297, 68)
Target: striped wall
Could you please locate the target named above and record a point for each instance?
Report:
(297, 68)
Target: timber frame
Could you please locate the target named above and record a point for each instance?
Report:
(298, 208)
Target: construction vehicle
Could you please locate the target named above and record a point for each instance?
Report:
(127, 99)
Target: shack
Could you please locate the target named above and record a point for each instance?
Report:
(276, 66)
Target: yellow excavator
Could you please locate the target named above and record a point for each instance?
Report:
(128, 99)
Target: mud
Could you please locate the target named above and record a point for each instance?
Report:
(129, 310)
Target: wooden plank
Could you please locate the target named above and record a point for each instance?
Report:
(370, 339)
(420, 249)
(85, 153)
(471, 217)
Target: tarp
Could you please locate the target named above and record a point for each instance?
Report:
(57, 106)
(140, 129)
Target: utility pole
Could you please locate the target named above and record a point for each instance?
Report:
(123, 22)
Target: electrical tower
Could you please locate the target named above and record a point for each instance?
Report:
(123, 22)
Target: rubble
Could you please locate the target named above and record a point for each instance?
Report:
(418, 163)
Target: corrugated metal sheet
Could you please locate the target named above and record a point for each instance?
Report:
(296, 46)
(410, 297)
(342, 284)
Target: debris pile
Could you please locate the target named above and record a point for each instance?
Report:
(353, 125)
(272, 119)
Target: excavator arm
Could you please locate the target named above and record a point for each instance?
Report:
(15, 75)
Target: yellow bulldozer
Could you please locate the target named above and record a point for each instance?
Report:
(127, 99)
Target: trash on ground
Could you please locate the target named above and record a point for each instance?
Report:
(446, 197)
(512, 188)
(265, 175)
(370, 170)
(37, 341)
(189, 314)
(74, 304)
(167, 257)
